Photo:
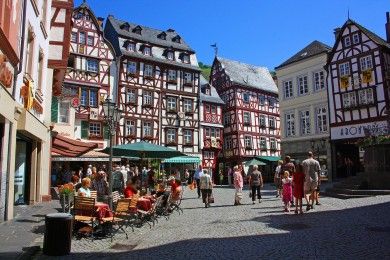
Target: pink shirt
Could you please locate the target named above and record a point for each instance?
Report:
(238, 180)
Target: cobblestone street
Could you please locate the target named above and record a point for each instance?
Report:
(358, 228)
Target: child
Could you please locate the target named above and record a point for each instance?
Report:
(298, 181)
(287, 190)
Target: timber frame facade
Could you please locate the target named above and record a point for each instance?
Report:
(158, 86)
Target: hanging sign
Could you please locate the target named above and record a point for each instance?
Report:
(367, 76)
(344, 82)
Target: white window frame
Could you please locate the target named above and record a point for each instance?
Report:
(248, 141)
(272, 122)
(319, 80)
(290, 124)
(262, 121)
(131, 95)
(147, 129)
(186, 58)
(322, 120)
(93, 102)
(147, 51)
(187, 136)
(170, 55)
(246, 118)
(82, 38)
(171, 103)
(131, 46)
(303, 87)
(305, 122)
(187, 77)
(288, 89)
(272, 144)
(344, 69)
(92, 65)
(132, 67)
(366, 96)
(90, 40)
(130, 127)
(95, 129)
(148, 70)
(172, 75)
(246, 97)
(261, 100)
(63, 112)
(171, 135)
(349, 99)
(147, 98)
(366, 63)
(263, 143)
(74, 37)
(187, 105)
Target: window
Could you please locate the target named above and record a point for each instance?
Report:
(288, 89)
(90, 40)
(93, 98)
(263, 143)
(347, 41)
(132, 67)
(226, 119)
(228, 143)
(349, 99)
(147, 98)
(290, 124)
(131, 96)
(344, 69)
(261, 100)
(188, 136)
(130, 128)
(262, 121)
(272, 142)
(186, 58)
(92, 65)
(171, 104)
(322, 121)
(170, 55)
(302, 85)
(247, 118)
(147, 129)
(63, 112)
(147, 51)
(40, 69)
(95, 129)
(365, 63)
(355, 38)
(71, 61)
(305, 122)
(148, 71)
(82, 37)
(213, 109)
(84, 97)
(366, 96)
(246, 97)
(187, 78)
(131, 46)
(89, 97)
(271, 102)
(172, 75)
(73, 37)
(171, 136)
(187, 104)
(248, 142)
(271, 121)
(319, 80)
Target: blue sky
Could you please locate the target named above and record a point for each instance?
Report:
(259, 32)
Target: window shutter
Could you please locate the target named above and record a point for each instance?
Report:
(106, 132)
(54, 109)
(84, 129)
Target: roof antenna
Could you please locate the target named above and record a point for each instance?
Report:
(215, 49)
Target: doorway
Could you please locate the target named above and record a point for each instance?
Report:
(347, 160)
(22, 171)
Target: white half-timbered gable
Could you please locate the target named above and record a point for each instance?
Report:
(251, 110)
(158, 64)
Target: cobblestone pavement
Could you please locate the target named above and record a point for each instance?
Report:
(355, 228)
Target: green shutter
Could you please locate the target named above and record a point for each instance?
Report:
(84, 129)
(106, 134)
(54, 109)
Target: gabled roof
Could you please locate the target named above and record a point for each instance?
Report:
(248, 75)
(314, 48)
(213, 97)
(150, 35)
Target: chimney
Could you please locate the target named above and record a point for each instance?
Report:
(387, 27)
(336, 32)
(100, 21)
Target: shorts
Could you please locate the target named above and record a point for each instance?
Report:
(310, 187)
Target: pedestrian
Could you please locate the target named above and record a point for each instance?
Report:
(238, 184)
(256, 182)
(229, 174)
(298, 183)
(287, 191)
(290, 167)
(100, 185)
(151, 179)
(278, 178)
(124, 173)
(311, 168)
(118, 181)
(186, 176)
(220, 177)
(67, 174)
(206, 186)
(197, 175)
(89, 171)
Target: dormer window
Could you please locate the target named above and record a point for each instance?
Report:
(131, 46)
(176, 39)
(125, 27)
(147, 51)
(162, 36)
(186, 58)
(137, 30)
(170, 55)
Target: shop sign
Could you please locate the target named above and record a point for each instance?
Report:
(75, 102)
(359, 130)
(6, 75)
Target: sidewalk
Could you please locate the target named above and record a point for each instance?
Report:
(20, 236)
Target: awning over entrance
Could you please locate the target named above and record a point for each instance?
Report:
(269, 158)
(66, 147)
(254, 161)
(182, 159)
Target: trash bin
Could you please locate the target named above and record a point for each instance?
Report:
(58, 234)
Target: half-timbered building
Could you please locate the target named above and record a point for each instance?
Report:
(358, 90)
(158, 86)
(211, 127)
(251, 111)
(304, 104)
(89, 79)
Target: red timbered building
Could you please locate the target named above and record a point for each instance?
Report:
(211, 127)
(158, 86)
(89, 79)
(358, 90)
(251, 111)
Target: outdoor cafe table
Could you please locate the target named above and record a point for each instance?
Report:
(102, 210)
(144, 203)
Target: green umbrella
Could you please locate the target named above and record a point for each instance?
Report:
(254, 161)
(143, 150)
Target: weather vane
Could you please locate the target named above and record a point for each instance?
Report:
(215, 49)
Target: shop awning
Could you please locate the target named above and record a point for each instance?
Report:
(269, 158)
(254, 161)
(67, 147)
(182, 159)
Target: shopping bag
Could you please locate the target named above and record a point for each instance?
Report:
(211, 199)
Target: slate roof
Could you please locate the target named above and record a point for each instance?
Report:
(377, 39)
(214, 97)
(314, 48)
(249, 75)
(150, 35)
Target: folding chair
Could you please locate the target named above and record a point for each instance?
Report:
(150, 215)
(120, 217)
(94, 194)
(175, 204)
(84, 211)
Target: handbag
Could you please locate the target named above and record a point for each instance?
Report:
(211, 199)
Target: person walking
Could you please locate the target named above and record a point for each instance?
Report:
(238, 184)
(290, 167)
(298, 183)
(206, 187)
(229, 174)
(287, 191)
(311, 168)
(278, 178)
(197, 175)
(256, 182)
(118, 180)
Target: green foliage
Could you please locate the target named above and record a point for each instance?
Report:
(373, 140)
(206, 70)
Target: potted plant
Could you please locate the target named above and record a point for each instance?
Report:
(66, 196)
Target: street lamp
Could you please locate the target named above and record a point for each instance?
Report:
(112, 115)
